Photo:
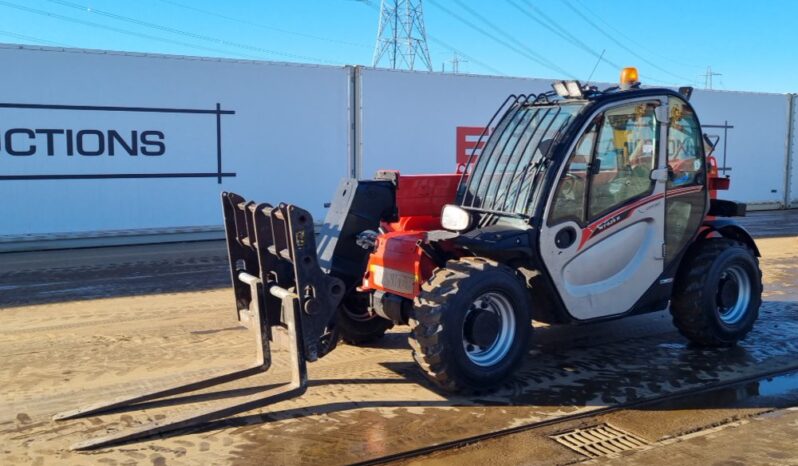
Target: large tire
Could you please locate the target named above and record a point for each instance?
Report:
(717, 292)
(355, 324)
(469, 294)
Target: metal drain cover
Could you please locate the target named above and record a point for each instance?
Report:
(600, 440)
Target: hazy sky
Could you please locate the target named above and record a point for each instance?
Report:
(752, 44)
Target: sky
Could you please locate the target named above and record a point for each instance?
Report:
(753, 46)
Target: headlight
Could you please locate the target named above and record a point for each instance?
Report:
(454, 218)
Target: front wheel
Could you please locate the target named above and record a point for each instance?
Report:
(471, 324)
(356, 324)
(717, 293)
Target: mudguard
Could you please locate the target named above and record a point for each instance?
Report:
(729, 229)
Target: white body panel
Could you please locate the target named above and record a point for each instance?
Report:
(613, 260)
(609, 274)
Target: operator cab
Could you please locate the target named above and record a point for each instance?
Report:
(602, 189)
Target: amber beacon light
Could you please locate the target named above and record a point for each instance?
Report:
(629, 77)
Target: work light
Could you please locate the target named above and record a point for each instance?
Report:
(574, 89)
(559, 88)
(455, 218)
(570, 89)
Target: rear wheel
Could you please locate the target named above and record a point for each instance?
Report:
(356, 324)
(717, 293)
(471, 324)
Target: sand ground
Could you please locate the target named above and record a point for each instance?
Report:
(58, 352)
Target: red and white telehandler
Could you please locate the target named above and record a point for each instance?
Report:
(582, 205)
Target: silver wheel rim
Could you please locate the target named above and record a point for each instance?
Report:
(735, 313)
(500, 306)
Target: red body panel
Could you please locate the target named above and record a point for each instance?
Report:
(715, 182)
(397, 264)
(425, 195)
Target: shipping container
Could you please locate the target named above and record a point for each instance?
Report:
(102, 147)
(101, 144)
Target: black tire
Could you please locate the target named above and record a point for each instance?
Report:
(712, 272)
(444, 315)
(355, 324)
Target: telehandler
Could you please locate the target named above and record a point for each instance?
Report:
(581, 205)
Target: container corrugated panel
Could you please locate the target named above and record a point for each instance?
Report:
(136, 142)
(751, 128)
(792, 154)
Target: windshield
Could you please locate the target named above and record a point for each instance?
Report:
(506, 169)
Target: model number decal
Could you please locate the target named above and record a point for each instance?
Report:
(611, 221)
(392, 279)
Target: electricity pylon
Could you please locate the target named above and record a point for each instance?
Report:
(401, 35)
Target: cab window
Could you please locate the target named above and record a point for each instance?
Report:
(625, 154)
(610, 165)
(684, 209)
(569, 202)
(685, 149)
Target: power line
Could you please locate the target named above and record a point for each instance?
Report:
(469, 57)
(558, 30)
(33, 39)
(621, 33)
(120, 30)
(262, 26)
(525, 51)
(541, 59)
(621, 44)
(564, 33)
(203, 37)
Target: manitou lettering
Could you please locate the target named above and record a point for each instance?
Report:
(25, 142)
(611, 221)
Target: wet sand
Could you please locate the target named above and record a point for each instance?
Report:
(363, 402)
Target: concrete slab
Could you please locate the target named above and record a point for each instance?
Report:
(765, 440)
(770, 223)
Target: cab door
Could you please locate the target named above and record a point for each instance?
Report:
(603, 234)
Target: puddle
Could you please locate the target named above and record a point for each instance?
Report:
(782, 385)
(772, 392)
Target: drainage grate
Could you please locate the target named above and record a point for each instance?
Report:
(601, 440)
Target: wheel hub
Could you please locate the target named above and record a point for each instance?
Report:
(728, 292)
(734, 295)
(482, 327)
(489, 329)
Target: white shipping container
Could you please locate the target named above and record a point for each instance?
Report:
(408, 120)
(95, 142)
(752, 128)
(792, 163)
(98, 144)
